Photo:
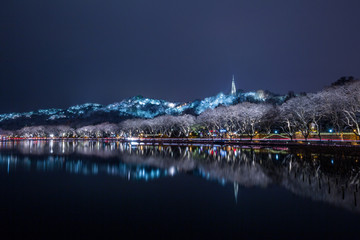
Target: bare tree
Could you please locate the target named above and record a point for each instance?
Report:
(251, 117)
(351, 106)
(296, 114)
(317, 111)
(184, 124)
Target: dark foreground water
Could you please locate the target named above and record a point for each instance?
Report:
(62, 189)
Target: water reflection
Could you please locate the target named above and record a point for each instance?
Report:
(332, 178)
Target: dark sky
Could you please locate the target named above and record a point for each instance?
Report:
(63, 52)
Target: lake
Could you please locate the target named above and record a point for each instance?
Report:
(78, 189)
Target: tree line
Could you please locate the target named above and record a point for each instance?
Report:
(334, 109)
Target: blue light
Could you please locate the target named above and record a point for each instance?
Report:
(277, 157)
(222, 130)
(330, 130)
(223, 181)
(223, 153)
(332, 161)
(276, 131)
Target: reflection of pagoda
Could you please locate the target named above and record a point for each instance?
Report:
(236, 191)
(233, 87)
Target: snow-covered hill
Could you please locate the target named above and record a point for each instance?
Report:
(135, 107)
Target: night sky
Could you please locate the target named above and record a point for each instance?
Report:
(64, 52)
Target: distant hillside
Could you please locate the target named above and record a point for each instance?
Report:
(135, 107)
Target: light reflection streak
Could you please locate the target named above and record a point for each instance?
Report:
(321, 177)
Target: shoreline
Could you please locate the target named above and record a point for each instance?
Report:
(296, 143)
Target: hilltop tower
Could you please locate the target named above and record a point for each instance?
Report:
(233, 87)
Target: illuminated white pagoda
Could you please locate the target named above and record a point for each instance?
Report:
(233, 87)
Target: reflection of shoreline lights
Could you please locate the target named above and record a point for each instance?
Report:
(148, 174)
(132, 139)
(244, 166)
(63, 149)
(172, 171)
(55, 163)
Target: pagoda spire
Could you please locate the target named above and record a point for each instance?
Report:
(233, 87)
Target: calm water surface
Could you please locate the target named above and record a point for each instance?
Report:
(79, 189)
